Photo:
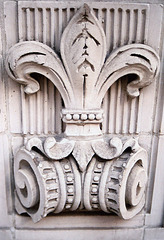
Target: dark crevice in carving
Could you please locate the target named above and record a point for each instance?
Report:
(11, 70)
(138, 189)
(35, 149)
(112, 201)
(24, 191)
(33, 53)
(113, 210)
(85, 34)
(85, 46)
(131, 77)
(36, 76)
(84, 87)
(77, 38)
(96, 41)
(128, 150)
(140, 56)
(85, 64)
(85, 19)
(85, 53)
(111, 190)
(115, 180)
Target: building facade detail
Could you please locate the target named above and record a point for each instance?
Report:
(82, 168)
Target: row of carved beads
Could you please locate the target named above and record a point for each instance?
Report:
(92, 184)
(69, 116)
(69, 179)
(45, 186)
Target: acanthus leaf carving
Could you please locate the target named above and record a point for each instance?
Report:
(138, 61)
(83, 154)
(109, 173)
(58, 150)
(27, 58)
(34, 142)
(108, 149)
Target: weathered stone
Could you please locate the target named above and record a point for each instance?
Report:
(82, 127)
(82, 86)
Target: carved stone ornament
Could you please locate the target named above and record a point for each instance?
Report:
(82, 169)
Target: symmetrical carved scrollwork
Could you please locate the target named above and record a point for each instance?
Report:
(45, 186)
(37, 184)
(82, 169)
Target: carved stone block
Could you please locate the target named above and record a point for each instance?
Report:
(82, 168)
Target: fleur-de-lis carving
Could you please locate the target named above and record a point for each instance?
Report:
(83, 77)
